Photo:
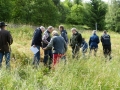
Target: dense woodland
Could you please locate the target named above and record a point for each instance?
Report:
(53, 12)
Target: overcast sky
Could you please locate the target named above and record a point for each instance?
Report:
(89, 0)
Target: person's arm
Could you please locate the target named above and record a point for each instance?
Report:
(44, 38)
(79, 39)
(50, 44)
(34, 40)
(98, 40)
(101, 39)
(10, 39)
(65, 46)
(64, 35)
(89, 41)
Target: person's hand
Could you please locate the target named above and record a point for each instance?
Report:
(44, 48)
(34, 46)
(76, 45)
(64, 54)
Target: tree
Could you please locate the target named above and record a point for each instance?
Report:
(98, 11)
(113, 15)
(5, 10)
(45, 12)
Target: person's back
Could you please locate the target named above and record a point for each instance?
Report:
(94, 40)
(37, 37)
(105, 39)
(59, 45)
(106, 43)
(5, 40)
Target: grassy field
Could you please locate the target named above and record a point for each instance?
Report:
(90, 73)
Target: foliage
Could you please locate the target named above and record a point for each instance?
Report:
(113, 16)
(98, 11)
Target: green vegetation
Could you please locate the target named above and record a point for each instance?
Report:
(90, 73)
(53, 12)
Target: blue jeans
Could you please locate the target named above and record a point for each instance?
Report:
(47, 54)
(36, 59)
(7, 58)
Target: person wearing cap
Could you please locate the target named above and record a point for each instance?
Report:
(106, 43)
(37, 42)
(59, 47)
(5, 41)
(47, 53)
(75, 42)
(93, 42)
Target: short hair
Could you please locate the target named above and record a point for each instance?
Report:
(105, 31)
(94, 32)
(73, 29)
(83, 39)
(54, 32)
(61, 26)
(50, 27)
(43, 28)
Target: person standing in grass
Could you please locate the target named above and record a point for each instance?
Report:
(63, 33)
(37, 42)
(93, 42)
(59, 47)
(106, 43)
(5, 41)
(84, 46)
(47, 53)
(75, 42)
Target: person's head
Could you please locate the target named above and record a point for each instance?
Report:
(83, 39)
(105, 32)
(94, 32)
(42, 28)
(54, 33)
(2, 25)
(61, 27)
(74, 30)
(50, 29)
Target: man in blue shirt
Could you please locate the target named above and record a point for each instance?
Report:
(93, 42)
(37, 42)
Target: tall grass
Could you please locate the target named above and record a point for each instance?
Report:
(90, 73)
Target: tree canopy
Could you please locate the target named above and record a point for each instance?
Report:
(53, 12)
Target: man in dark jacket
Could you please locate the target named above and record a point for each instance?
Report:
(59, 47)
(47, 53)
(93, 42)
(75, 42)
(36, 42)
(63, 33)
(5, 41)
(106, 43)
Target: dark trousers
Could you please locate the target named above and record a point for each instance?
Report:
(93, 49)
(75, 51)
(107, 50)
(48, 57)
(7, 58)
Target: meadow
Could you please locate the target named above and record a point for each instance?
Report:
(90, 73)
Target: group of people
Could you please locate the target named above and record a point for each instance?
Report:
(55, 46)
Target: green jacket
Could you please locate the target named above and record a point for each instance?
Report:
(76, 39)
